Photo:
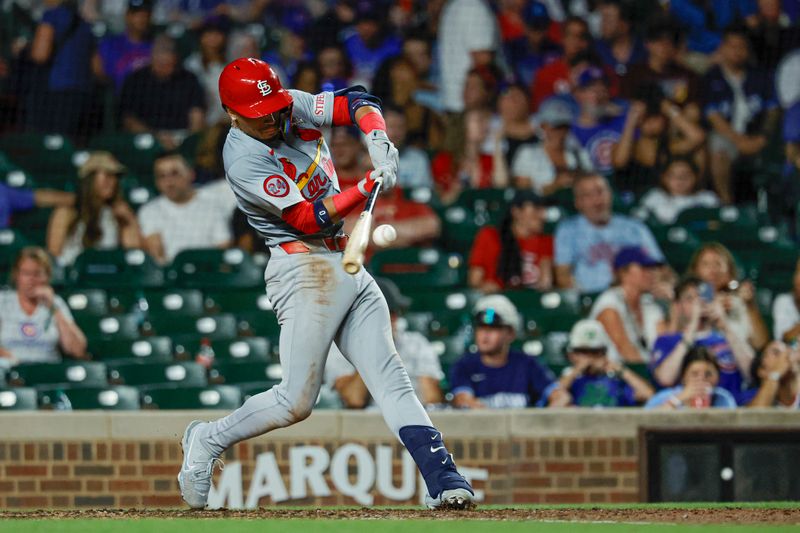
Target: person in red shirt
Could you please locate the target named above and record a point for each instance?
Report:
(554, 78)
(517, 254)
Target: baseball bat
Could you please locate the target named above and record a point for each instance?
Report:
(353, 258)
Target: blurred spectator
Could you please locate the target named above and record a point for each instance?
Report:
(706, 20)
(628, 312)
(207, 64)
(512, 129)
(417, 50)
(678, 84)
(593, 379)
(495, 376)
(102, 219)
(372, 42)
(786, 312)
(468, 38)
(34, 321)
(109, 12)
(740, 105)
(533, 49)
(550, 165)
(480, 95)
(182, 217)
(772, 33)
(585, 244)
(600, 122)
(307, 78)
(348, 155)
(334, 67)
(655, 130)
(787, 192)
(776, 378)
(678, 191)
(13, 199)
(714, 264)
(415, 166)
(698, 388)
(698, 321)
(554, 78)
(618, 47)
(242, 43)
(164, 98)
(59, 90)
(330, 28)
(123, 53)
(517, 254)
(418, 356)
(289, 53)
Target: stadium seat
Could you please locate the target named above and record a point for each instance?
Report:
(18, 399)
(235, 372)
(153, 349)
(251, 389)
(260, 324)
(488, 205)
(677, 243)
(217, 327)
(210, 397)
(114, 397)
(548, 311)
(137, 151)
(777, 265)
(460, 225)
(184, 373)
(215, 269)
(11, 242)
(87, 302)
(174, 302)
(40, 154)
(76, 373)
(241, 349)
(32, 224)
(551, 349)
(109, 327)
(420, 268)
(442, 300)
(238, 301)
(115, 268)
(713, 218)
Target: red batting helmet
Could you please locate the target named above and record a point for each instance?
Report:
(251, 88)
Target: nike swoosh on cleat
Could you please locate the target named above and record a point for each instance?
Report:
(444, 461)
(434, 450)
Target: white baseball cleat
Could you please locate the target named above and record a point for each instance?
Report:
(451, 499)
(198, 465)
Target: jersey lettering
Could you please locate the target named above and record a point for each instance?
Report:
(319, 105)
(316, 187)
(264, 88)
(276, 186)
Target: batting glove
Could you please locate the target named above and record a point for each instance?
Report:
(382, 151)
(385, 175)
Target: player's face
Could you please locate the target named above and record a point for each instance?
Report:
(593, 199)
(30, 276)
(492, 340)
(266, 128)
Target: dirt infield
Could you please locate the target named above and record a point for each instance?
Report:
(725, 515)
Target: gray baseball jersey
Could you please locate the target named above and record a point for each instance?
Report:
(268, 178)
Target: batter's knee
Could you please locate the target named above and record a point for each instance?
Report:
(301, 409)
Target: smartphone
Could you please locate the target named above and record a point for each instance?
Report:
(706, 292)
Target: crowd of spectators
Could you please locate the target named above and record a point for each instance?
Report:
(571, 104)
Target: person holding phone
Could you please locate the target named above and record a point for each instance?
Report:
(698, 389)
(699, 320)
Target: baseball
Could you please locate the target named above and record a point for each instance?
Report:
(384, 235)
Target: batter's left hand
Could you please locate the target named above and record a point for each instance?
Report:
(382, 151)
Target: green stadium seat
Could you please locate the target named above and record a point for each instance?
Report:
(109, 327)
(76, 373)
(547, 311)
(777, 265)
(136, 373)
(137, 192)
(32, 224)
(115, 268)
(488, 205)
(420, 268)
(551, 349)
(137, 151)
(238, 301)
(218, 327)
(215, 269)
(241, 349)
(459, 228)
(114, 397)
(210, 397)
(87, 302)
(236, 372)
(11, 242)
(18, 399)
(40, 154)
(678, 244)
(260, 324)
(442, 300)
(251, 389)
(174, 302)
(712, 218)
(146, 349)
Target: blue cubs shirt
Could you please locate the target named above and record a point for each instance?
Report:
(11, 200)
(730, 378)
(599, 140)
(602, 391)
(519, 383)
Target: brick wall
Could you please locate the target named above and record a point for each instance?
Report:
(543, 466)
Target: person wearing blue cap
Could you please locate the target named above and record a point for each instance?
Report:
(628, 312)
(531, 51)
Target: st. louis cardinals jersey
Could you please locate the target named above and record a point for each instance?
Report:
(268, 178)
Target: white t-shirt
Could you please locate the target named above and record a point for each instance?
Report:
(532, 162)
(666, 207)
(109, 237)
(30, 338)
(208, 76)
(416, 352)
(466, 26)
(785, 314)
(199, 223)
(644, 336)
(414, 169)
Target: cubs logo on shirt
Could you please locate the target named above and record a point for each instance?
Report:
(29, 330)
(276, 186)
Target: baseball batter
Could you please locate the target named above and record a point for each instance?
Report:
(280, 169)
